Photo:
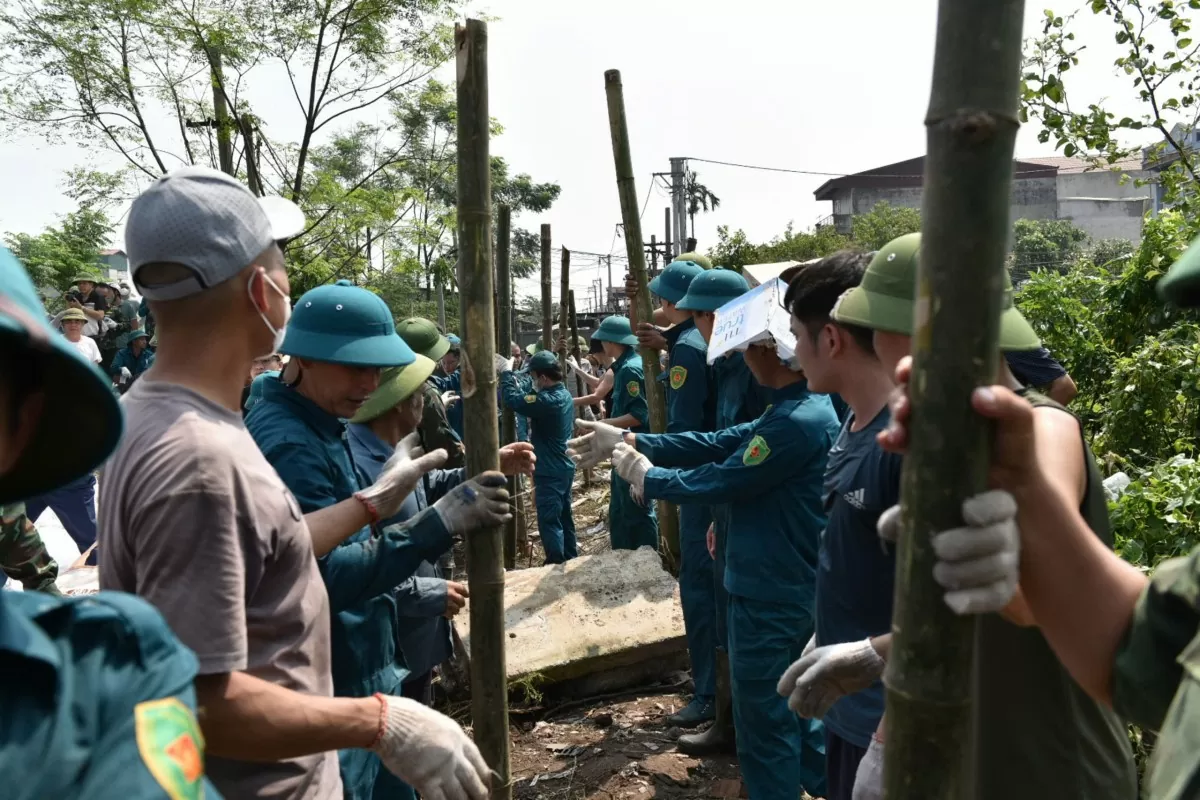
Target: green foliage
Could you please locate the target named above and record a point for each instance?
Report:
(1158, 516)
(57, 254)
(1044, 244)
(734, 250)
(883, 223)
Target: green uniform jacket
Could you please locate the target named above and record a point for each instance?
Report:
(23, 554)
(104, 704)
(1156, 680)
(629, 390)
(435, 428)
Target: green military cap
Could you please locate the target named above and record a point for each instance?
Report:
(542, 360)
(699, 258)
(81, 419)
(345, 324)
(73, 313)
(713, 289)
(138, 335)
(672, 283)
(397, 384)
(423, 337)
(1181, 285)
(615, 329)
(884, 299)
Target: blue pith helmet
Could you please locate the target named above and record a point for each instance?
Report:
(81, 420)
(713, 289)
(344, 324)
(455, 342)
(672, 283)
(616, 329)
(542, 360)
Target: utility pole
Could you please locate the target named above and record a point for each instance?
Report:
(971, 127)
(668, 253)
(679, 201)
(639, 306)
(485, 548)
(607, 302)
(547, 298)
(504, 336)
(653, 253)
(563, 309)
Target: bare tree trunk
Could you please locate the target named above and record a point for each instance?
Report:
(221, 112)
(485, 549)
(972, 125)
(639, 306)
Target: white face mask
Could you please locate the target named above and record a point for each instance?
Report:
(279, 332)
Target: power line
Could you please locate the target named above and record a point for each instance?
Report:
(867, 174)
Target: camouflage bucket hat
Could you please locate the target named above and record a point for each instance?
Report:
(884, 299)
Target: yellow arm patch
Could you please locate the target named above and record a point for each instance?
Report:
(171, 746)
(756, 452)
(678, 377)
(531, 398)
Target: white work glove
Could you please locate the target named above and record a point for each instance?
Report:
(808, 648)
(824, 675)
(400, 475)
(868, 781)
(481, 502)
(572, 365)
(503, 364)
(449, 399)
(588, 414)
(977, 564)
(595, 445)
(631, 465)
(126, 375)
(431, 753)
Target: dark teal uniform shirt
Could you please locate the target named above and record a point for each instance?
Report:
(770, 473)
(628, 396)
(551, 414)
(740, 398)
(136, 364)
(97, 701)
(691, 399)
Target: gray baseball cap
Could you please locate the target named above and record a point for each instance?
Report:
(204, 220)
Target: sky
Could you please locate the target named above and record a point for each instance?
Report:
(823, 87)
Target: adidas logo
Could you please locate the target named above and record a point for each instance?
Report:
(857, 498)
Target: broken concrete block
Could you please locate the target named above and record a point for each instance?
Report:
(612, 612)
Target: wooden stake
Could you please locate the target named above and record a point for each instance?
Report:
(547, 298)
(971, 128)
(485, 548)
(668, 518)
(575, 351)
(504, 338)
(564, 285)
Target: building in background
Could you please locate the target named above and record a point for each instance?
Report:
(1106, 203)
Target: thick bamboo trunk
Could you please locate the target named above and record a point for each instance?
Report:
(504, 328)
(547, 297)
(972, 125)
(564, 284)
(485, 549)
(639, 307)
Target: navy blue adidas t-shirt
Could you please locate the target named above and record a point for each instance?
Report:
(855, 568)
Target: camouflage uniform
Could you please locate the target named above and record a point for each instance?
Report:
(23, 555)
(1156, 680)
(435, 428)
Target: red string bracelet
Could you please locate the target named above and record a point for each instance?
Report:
(383, 706)
(372, 512)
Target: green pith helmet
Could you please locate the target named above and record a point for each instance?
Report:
(96, 279)
(536, 347)
(75, 314)
(423, 337)
(396, 384)
(884, 299)
(672, 283)
(699, 258)
(542, 360)
(713, 289)
(80, 421)
(616, 329)
(344, 324)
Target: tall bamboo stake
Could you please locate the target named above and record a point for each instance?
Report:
(504, 338)
(547, 298)
(971, 128)
(639, 307)
(575, 351)
(485, 549)
(564, 284)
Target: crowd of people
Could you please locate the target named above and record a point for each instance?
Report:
(279, 509)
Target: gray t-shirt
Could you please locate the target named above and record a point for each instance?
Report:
(194, 520)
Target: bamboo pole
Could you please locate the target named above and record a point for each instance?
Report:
(504, 337)
(485, 548)
(564, 286)
(575, 351)
(971, 128)
(547, 298)
(639, 306)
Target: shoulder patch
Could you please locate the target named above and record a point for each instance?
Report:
(171, 746)
(633, 388)
(531, 398)
(756, 452)
(678, 377)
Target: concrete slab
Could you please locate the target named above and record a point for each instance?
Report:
(613, 611)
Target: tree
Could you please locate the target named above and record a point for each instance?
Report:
(1162, 63)
(883, 223)
(734, 250)
(1051, 244)
(698, 197)
(56, 255)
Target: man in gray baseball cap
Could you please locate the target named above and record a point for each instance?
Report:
(196, 521)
